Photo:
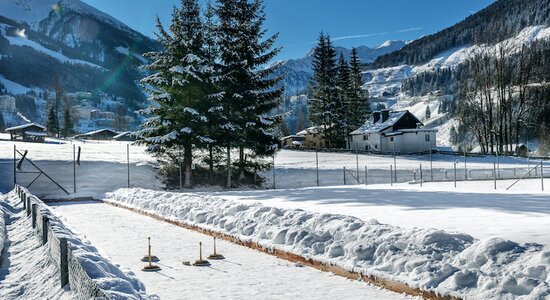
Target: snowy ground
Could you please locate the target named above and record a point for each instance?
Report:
(103, 167)
(245, 274)
(521, 214)
(26, 271)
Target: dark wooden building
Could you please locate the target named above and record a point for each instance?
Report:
(30, 132)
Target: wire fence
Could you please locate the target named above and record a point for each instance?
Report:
(336, 168)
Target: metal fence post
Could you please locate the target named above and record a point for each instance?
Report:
(74, 168)
(366, 175)
(391, 175)
(23, 199)
(542, 175)
(128, 162)
(421, 176)
(495, 174)
(274, 185)
(33, 214)
(455, 173)
(28, 200)
(45, 223)
(317, 162)
(15, 166)
(344, 175)
(64, 263)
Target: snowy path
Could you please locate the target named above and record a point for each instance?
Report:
(26, 271)
(245, 274)
(521, 214)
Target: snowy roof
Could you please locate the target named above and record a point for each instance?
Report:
(98, 131)
(312, 129)
(371, 127)
(126, 133)
(28, 125)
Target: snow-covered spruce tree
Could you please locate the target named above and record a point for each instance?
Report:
(322, 91)
(179, 86)
(342, 119)
(247, 87)
(359, 106)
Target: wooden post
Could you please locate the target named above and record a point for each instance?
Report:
(15, 167)
(22, 196)
(33, 214)
(455, 174)
(421, 177)
(74, 168)
(64, 262)
(542, 175)
(317, 162)
(274, 185)
(495, 174)
(45, 223)
(128, 162)
(28, 200)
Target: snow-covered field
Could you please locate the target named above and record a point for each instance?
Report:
(244, 274)
(431, 259)
(103, 167)
(27, 270)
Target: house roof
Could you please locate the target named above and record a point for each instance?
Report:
(98, 131)
(126, 133)
(371, 127)
(24, 126)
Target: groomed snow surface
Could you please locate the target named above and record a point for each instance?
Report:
(28, 272)
(244, 274)
(448, 263)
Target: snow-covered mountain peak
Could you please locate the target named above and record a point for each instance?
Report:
(27, 11)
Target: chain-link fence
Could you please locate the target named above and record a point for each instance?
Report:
(78, 169)
(293, 169)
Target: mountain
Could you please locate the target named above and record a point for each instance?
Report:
(298, 72)
(85, 49)
(501, 20)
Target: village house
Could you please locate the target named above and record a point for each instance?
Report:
(101, 134)
(313, 137)
(30, 132)
(393, 131)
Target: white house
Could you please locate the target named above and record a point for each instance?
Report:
(393, 131)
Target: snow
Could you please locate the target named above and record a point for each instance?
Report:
(30, 273)
(103, 167)
(244, 274)
(13, 87)
(28, 11)
(444, 262)
(22, 41)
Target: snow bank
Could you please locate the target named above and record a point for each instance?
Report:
(430, 259)
(114, 282)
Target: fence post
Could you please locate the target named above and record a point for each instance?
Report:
(317, 162)
(23, 199)
(28, 200)
(391, 175)
(33, 214)
(542, 175)
(15, 167)
(128, 162)
(366, 177)
(45, 223)
(455, 174)
(64, 263)
(344, 175)
(74, 168)
(495, 174)
(465, 167)
(274, 185)
(421, 176)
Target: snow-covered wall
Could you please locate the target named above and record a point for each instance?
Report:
(447, 263)
(90, 274)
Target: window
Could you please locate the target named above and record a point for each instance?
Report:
(376, 146)
(427, 138)
(391, 139)
(365, 138)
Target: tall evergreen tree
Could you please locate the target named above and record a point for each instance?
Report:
(179, 85)
(2, 123)
(359, 106)
(247, 88)
(323, 96)
(343, 85)
(68, 125)
(52, 123)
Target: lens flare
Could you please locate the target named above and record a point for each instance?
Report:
(56, 8)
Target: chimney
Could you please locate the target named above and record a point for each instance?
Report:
(385, 115)
(375, 116)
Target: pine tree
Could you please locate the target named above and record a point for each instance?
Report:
(52, 123)
(247, 87)
(428, 112)
(359, 106)
(2, 123)
(68, 126)
(179, 85)
(322, 90)
(342, 118)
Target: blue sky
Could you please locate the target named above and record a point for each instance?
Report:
(299, 22)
